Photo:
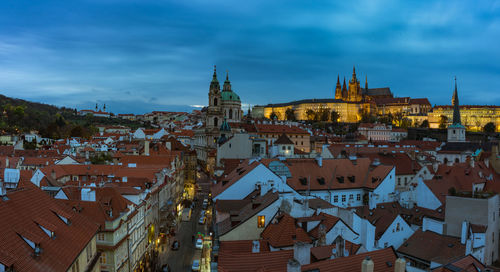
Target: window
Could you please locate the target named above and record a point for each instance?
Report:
(351, 197)
(335, 199)
(397, 227)
(358, 197)
(102, 260)
(75, 267)
(386, 244)
(89, 252)
(215, 101)
(399, 181)
(343, 198)
(283, 147)
(100, 237)
(289, 148)
(261, 221)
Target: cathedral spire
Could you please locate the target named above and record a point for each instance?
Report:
(214, 77)
(344, 91)
(456, 108)
(354, 73)
(338, 89)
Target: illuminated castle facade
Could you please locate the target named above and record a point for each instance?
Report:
(350, 100)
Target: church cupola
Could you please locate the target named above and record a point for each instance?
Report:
(227, 84)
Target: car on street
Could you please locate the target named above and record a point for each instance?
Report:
(199, 243)
(205, 203)
(175, 245)
(202, 220)
(165, 268)
(196, 265)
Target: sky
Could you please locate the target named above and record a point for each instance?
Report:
(145, 55)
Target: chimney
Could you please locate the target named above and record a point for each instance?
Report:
(255, 246)
(465, 231)
(319, 159)
(293, 266)
(3, 191)
(367, 265)
(435, 166)
(400, 265)
(302, 252)
(487, 162)
(472, 163)
(146, 148)
(7, 163)
(168, 145)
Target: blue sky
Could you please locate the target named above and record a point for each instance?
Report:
(139, 56)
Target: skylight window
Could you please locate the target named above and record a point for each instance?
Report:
(50, 233)
(64, 219)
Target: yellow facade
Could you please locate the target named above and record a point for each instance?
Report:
(350, 112)
(474, 118)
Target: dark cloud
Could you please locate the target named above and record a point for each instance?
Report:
(139, 56)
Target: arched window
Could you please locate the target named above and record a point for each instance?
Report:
(215, 101)
(216, 121)
(230, 113)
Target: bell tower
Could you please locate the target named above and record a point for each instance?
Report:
(214, 117)
(456, 131)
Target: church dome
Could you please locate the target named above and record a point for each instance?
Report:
(230, 96)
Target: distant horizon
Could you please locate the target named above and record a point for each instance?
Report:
(139, 56)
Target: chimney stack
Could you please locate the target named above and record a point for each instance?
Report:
(293, 266)
(400, 265)
(146, 148)
(302, 252)
(367, 265)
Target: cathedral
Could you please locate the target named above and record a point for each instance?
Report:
(349, 100)
(224, 107)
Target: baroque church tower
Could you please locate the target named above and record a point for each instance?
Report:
(214, 114)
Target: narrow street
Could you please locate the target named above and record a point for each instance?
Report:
(181, 259)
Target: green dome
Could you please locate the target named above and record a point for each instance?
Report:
(230, 96)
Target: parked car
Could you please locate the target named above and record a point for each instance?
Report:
(205, 203)
(175, 245)
(202, 220)
(199, 243)
(196, 265)
(165, 268)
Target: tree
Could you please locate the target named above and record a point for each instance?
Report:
(323, 114)
(310, 114)
(443, 121)
(425, 124)
(290, 114)
(366, 117)
(334, 116)
(273, 116)
(489, 128)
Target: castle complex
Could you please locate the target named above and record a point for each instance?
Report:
(350, 100)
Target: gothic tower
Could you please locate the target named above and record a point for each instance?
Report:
(338, 89)
(456, 131)
(344, 91)
(354, 93)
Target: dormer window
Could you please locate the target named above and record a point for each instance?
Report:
(50, 233)
(64, 219)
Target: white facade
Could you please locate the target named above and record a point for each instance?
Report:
(396, 234)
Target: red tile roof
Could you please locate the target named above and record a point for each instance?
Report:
(432, 247)
(251, 262)
(467, 264)
(335, 174)
(227, 181)
(325, 252)
(23, 213)
(381, 259)
(284, 233)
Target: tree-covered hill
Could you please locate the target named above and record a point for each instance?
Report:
(17, 115)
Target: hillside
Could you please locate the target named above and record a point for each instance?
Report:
(19, 115)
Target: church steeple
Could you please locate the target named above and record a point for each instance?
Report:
(456, 108)
(214, 85)
(353, 74)
(227, 84)
(338, 89)
(344, 91)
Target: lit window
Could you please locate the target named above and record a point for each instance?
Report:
(102, 260)
(261, 221)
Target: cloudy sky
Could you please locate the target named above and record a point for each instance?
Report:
(144, 55)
